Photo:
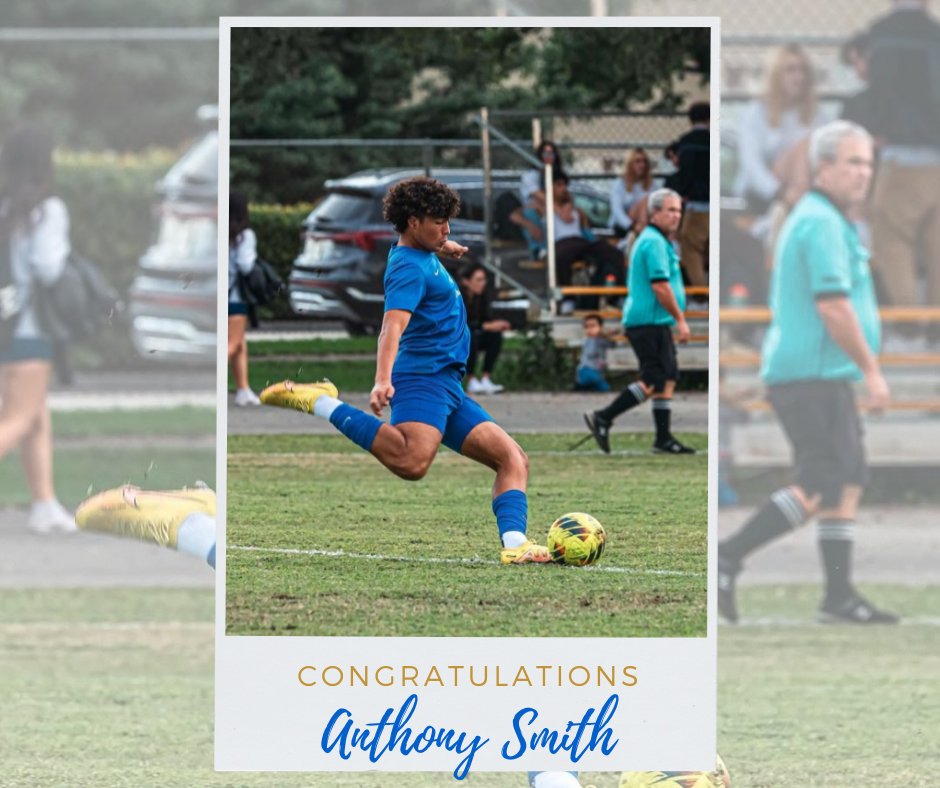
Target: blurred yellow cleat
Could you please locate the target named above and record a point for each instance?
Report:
(149, 516)
(297, 396)
(526, 553)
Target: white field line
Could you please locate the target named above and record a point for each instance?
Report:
(475, 561)
(775, 622)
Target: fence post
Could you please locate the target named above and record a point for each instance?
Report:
(550, 237)
(487, 188)
(427, 158)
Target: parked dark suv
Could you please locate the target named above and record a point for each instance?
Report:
(339, 272)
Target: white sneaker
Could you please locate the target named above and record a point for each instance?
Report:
(245, 398)
(475, 386)
(487, 386)
(46, 517)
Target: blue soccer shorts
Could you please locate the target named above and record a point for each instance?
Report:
(438, 400)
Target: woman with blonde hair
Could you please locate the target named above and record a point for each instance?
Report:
(34, 245)
(772, 128)
(628, 194)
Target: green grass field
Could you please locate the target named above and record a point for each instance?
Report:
(425, 555)
(112, 688)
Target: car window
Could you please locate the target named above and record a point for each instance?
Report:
(596, 208)
(471, 205)
(343, 208)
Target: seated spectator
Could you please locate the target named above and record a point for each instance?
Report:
(485, 332)
(532, 182)
(593, 361)
(771, 125)
(628, 193)
(574, 239)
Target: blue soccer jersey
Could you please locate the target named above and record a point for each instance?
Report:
(818, 254)
(437, 336)
(652, 259)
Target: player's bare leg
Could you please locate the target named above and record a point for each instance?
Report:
(406, 449)
(489, 444)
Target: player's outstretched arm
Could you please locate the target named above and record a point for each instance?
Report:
(393, 326)
(453, 250)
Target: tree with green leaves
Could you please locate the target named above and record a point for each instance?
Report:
(413, 83)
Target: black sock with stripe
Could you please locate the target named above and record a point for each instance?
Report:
(782, 513)
(836, 536)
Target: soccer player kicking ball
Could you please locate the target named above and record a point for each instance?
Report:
(422, 354)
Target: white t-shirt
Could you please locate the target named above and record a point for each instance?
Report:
(38, 254)
(241, 259)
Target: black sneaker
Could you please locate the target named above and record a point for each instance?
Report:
(600, 429)
(672, 446)
(854, 609)
(727, 596)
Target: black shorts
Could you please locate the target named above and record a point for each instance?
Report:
(820, 418)
(656, 352)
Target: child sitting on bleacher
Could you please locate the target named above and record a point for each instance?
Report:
(593, 361)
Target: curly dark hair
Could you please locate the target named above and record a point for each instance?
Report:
(419, 197)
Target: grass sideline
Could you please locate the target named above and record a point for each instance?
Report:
(182, 421)
(125, 697)
(80, 471)
(323, 493)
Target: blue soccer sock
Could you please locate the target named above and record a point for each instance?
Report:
(357, 425)
(512, 511)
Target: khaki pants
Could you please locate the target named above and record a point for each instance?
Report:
(693, 240)
(905, 228)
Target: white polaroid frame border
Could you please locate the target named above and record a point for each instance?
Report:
(266, 719)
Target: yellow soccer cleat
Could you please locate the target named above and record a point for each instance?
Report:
(148, 516)
(526, 553)
(297, 396)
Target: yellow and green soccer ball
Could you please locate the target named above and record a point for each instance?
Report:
(576, 539)
(716, 779)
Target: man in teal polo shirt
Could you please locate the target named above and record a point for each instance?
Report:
(824, 336)
(655, 304)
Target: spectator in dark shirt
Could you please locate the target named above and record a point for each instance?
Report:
(691, 182)
(854, 54)
(485, 332)
(904, 82)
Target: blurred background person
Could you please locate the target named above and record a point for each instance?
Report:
(486, 332)
(242, 254)
(773, 125)
(574, 240)
(34, 245)
(854, 55)
(532, 182)
(903, 69)
(692, 178)
(628, 194)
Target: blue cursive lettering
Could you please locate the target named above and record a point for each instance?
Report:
(378, 738)
(571, 739)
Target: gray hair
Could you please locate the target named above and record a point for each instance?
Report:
(824, 142)
(657, 199)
